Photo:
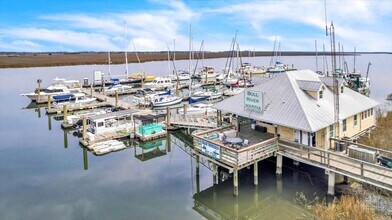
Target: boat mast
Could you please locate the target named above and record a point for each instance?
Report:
(331, 33)
(315, 47)
(174, 48)
(110, 71)
(190, 60)
(126, 45)
(355, 54)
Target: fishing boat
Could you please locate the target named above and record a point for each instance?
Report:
(71, 99)
(159, 83)
(198, 109)
(107, 147)
(59, 86)
(159, 101)
(233, 91)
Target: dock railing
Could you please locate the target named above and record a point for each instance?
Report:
(338, 162)
(238, 158)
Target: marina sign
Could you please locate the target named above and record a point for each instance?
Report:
(210, 149)
(253, 100)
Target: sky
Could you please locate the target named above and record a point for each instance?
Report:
(152, 25)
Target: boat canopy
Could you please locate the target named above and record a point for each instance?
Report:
(64, 96)
(197, 99)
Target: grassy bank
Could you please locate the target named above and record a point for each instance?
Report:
(381, 137)
(18, 60)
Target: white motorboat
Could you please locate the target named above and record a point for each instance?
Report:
(59, 86)
(198, 109)
(233, 91)
(111, 90)
(145, 96)
(72, 99)
(107, 147)
(182, 75)
(207, 72)
(210, 94)
(160, 83)
(159, 101)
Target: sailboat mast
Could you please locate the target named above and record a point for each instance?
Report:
(174, 48)
(315, 47)
(110, 71)
(355, 54)
(190, 59)
(126, 45)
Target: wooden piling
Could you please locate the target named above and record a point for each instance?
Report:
(255, 173)
(214, 174)
(84, 128)
(85, 159)
(49, 101)
(167, 116)
(279, 163)
(49, 123)
(185, 106)
(39, 90)
(235, 181)
(116, 93)
(65, 139)
(65, 113)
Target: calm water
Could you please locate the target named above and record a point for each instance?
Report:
(45, 174)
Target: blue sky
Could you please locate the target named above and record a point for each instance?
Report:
(60, 25)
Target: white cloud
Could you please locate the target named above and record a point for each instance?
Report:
(363, 23)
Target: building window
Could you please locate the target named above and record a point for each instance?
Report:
(355, 120)
(100, 124)
(371, 112)
(344, 125)
(362, 115)
(341, 89)
(321, 94)
(331, 131)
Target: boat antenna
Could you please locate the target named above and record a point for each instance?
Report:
(367, 72)
(273, 51)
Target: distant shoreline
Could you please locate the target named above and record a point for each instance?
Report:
(21, 60)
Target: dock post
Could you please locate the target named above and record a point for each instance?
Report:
(331, 183)
(256, 173)
(214, 174)
(84, 128)
(116, 93)
(197, 173)
(39, 90)
(184, 109)
(279, 184)
(65, 139)
(85, 159)
(49, 101)
(279, 162)
(235, 181)
(167, 116)
(65, 113)
(39, 111)
(49, 122)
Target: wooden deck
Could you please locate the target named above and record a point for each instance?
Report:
(338, 162)
(232, 156)
(193, 121)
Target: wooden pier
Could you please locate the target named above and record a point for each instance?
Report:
(208, 146)
(194, 121)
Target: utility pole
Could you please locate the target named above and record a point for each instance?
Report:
(330, 31)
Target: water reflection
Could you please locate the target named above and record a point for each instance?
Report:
(150, 150)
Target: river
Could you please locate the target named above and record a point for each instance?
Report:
(45, 174)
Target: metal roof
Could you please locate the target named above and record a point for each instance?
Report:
(329, 81)
(114, 114)
(309, 85)
(288, 105)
